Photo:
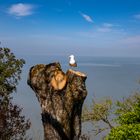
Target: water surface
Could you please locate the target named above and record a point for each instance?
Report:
(106, 77)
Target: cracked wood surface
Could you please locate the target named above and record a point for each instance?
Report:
(61, 96)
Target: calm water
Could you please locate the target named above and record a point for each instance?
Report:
(113, 77)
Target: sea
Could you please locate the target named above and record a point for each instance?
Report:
(113, 77)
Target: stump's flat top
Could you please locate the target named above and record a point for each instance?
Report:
(78, 73)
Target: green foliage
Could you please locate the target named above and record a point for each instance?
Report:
(10, 70)
(125, 112)
(127, 104)
(128, 113)
(125, 132)
(99, 112)
(13, 125)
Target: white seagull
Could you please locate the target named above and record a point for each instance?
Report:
(72, 61)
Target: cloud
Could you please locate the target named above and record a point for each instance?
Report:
(109, 25)
(87, 18)
(106, 27)
(21, 10)
(137, 16)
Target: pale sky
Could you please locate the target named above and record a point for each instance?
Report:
(61, 27)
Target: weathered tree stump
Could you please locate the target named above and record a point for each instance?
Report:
(61, 97)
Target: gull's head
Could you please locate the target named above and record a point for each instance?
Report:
(71, 56)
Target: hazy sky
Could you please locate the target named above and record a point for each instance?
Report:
(82, 27)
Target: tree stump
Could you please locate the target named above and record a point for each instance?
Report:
(61, 97)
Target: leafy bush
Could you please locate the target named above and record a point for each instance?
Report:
(129, 122)
(13, 125)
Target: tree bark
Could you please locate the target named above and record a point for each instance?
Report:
(61, 97)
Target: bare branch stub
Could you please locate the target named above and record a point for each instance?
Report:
(61, 97)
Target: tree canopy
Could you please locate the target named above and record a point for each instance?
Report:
(128, 117)
(121, 117)
(13, 125)
(10, 70)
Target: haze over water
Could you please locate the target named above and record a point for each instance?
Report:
(106, 77)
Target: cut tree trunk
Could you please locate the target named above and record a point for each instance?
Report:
(61, 97)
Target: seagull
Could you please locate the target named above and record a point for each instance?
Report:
(72, 61)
